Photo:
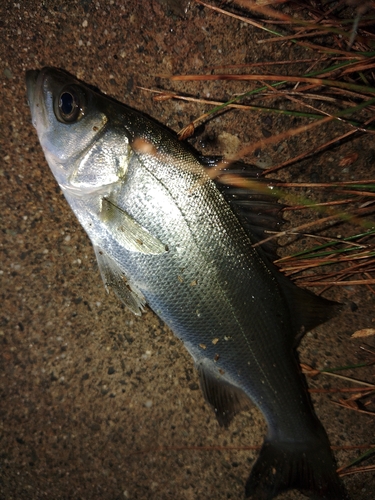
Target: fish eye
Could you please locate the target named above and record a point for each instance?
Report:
(70, 104)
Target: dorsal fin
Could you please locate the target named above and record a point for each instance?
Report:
(255, 205)
(307, 310)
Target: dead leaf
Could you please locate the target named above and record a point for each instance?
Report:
(348, 403)
(308, 370)
(163, 96)
(348, 160)
(186, 132)
(366, 332)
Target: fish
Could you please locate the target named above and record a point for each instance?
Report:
(170, 236)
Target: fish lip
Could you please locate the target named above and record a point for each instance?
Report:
(31, 83)
(31, 79)
(34, 85)
(34, 90)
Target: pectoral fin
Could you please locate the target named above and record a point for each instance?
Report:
(129, 232)
(113, 277)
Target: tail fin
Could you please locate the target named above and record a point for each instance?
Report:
(284, 466)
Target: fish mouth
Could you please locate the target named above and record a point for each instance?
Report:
(34, 91)
(31, 84)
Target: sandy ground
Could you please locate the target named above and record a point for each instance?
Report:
(97, 403)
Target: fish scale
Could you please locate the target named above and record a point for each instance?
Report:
(166, 236)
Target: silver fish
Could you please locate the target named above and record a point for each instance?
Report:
(165, 235)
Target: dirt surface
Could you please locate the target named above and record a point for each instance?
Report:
(95, 402)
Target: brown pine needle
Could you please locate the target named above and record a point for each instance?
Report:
(271, 63)
(230, 14)
(337, 283)
(344, 404)
(307, 264)
(316, 205)
(301, 228)
(353, 447)
(359, 66)
(295, 36)
(266, 11)
(308, 370)
(274, 78)
(367, 284)
(349, 379)
(329, 50)
(356, 470)
(165, 95)
(272, 140)
(323, 184)
(342, 389)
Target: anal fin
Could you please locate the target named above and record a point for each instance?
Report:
(113, 277)
(226, 399)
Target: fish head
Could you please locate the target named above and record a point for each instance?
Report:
(72, 122)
